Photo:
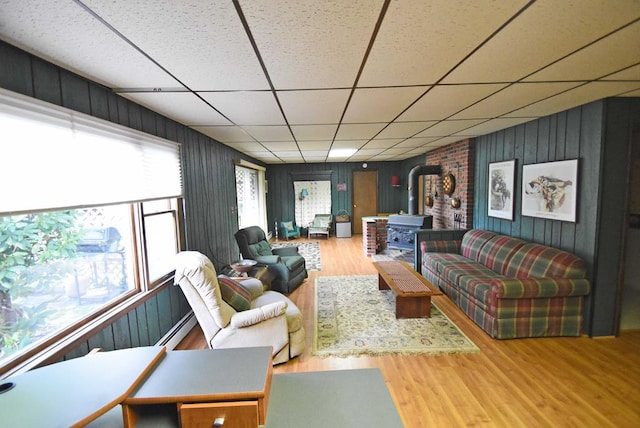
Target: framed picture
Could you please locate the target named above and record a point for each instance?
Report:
(550, 190)
(501, 189)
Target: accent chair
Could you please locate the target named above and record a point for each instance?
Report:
(286, 265)
(289, 229)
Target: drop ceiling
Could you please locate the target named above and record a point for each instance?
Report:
(286, 81)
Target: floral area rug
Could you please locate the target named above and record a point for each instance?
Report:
(309, 250)
(354, 318)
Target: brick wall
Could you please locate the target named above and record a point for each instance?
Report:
(374, 235)
(456, 159)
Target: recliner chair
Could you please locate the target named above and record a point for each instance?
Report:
(286, 264)
(267, 319)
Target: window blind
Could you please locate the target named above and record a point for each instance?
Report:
(55, 158)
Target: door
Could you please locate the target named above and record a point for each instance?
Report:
(365, 197)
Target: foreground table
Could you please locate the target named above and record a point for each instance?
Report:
(413, 291)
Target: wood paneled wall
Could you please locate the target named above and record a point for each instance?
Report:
(598, 135)
(208, 174)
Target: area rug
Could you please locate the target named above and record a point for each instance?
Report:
(354, 318)
(309, 250)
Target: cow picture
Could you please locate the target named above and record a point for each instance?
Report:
(549, 190)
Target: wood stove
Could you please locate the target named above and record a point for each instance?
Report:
(401, 229)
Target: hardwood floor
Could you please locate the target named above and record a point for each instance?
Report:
(548, 382)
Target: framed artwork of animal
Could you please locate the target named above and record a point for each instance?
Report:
(501, 189)
(550, 190)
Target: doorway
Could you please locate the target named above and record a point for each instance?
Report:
(630, 296)
(365, 197)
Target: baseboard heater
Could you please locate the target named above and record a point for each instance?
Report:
(178, 332)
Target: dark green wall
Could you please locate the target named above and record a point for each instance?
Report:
(598, 134)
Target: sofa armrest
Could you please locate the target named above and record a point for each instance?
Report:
(515, 288)
(253, 285)
(257, 315)
(286, 251)
(440, 246)
(268, 260)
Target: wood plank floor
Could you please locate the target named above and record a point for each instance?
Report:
(548, 382)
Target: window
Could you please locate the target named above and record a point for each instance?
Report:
(250, 191)
(92, 218)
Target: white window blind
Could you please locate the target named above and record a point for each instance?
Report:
(56, 158)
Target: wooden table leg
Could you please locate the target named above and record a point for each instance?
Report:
(413, 307)
(382, 284)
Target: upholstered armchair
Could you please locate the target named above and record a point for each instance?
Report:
(286, 265)
(238, 313)
(289, 229)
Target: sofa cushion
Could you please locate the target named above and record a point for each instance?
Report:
(437, 261)
(534, 260)
(473, 241)
(460, 273)
(238, 297)
(498, 251)
(288, 225)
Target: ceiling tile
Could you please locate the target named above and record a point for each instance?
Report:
(449, 127)
(314, 132)
(420, 41)
(491, 126)
(443, 101)
(542, 34)
(313, 107)
(314, 145)
(403, 129)
(269, 133)
(382, 143)
(363, 131)
(578, 96)
(247, 147)
(616, 52)
(246, 108)
(631, 73)
(58, 33)
(276, 146)
(511, 98)
(348, 144)
(183, 107)
(303, 44)
(209, 31)
(380, 104)
(225, 134)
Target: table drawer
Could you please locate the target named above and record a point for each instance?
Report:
(241, 414)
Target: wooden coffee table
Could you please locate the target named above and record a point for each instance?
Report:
(413, 291)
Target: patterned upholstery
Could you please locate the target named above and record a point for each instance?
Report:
(510, 288)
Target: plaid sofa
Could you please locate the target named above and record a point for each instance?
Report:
(509, 287)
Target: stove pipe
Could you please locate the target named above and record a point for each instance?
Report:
(413, 183)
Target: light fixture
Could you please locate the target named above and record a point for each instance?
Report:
(342, 153)
(395, 180)
(304, 193)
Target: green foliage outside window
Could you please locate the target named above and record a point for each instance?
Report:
(29, 241)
